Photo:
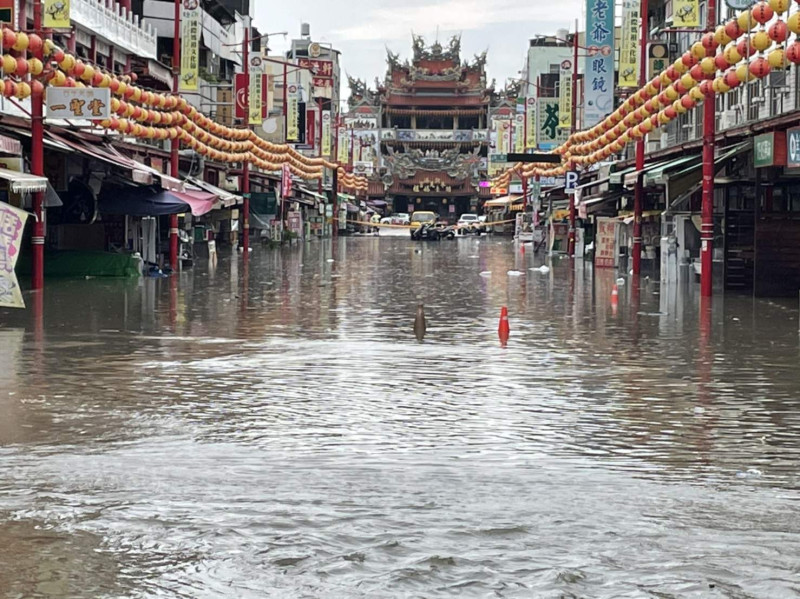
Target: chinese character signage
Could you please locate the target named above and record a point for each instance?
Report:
(599, 67)
(769, 149)
(326, 133)
(12, 222)
(344, 146)
(628, 54)
(793, 147)
(78, 103)
(191, 28)
(255, 99)
(530, 122)
(286, 181)
(565, 95)
(243, 95)
(293, 114)
(319, 68)
(548, 134)
(605, 242)
(56, 14)
(685, 13)
(502, 130)
(519, 133)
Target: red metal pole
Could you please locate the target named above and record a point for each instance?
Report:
(638, 194)
(174, 158)
(319, 121)
(37, 165)
(707, 226)
(245, 230)
(571, 238)
(335, 181)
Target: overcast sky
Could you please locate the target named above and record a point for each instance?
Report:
(362, 29)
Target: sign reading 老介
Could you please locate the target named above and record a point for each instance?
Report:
(599, 66)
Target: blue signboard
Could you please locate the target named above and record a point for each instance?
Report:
(599, 68)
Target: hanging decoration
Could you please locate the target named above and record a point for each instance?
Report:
(743, 49)
(146, 114)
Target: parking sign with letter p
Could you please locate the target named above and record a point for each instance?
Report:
(571, 181)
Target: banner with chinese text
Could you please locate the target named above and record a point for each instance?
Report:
(255, 98)
(191, 28)
(12, 222)
(56, 14)
(565, 95)
(519, 133)
(628, 52)
(599, 66)
(293, 114)
(344, 146)
(326, 133)
(530, 122)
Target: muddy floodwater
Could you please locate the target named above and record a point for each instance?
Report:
(276, 430)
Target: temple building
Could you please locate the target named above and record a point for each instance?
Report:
(422, 134)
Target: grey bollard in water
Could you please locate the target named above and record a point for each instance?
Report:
(419, 323)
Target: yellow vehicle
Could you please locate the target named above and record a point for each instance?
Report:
(421, 217)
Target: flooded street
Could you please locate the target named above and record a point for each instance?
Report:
(289, 437)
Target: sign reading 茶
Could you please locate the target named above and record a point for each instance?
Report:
(12, 223)
(599, 66)
(548, 133)
(191, 28)
(78, 103)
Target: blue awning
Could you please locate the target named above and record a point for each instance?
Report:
(151, 201)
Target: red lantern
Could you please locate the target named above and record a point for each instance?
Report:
(760, 67)
(706, 88)
(733, 30)
(709, 43)
(58, 55)
(672, 74)
(97, 79)
(762, 12)
(720, 62)
(793, 52)
(9, 39)
(730, 79)
(34, 43)
(697, 72)
(37, 88)
(778, 32)
(22, 67)
(688, 103)
(689, 59)
(680, 87)
(745, 47)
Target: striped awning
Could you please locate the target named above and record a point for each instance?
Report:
(23, 182)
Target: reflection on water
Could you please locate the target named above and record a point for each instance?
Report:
(290, 437)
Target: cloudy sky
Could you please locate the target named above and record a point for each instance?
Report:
(362, 29)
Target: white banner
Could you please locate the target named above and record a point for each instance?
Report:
(326, 133)
(12, 223)
(256, 94)
(191, 28)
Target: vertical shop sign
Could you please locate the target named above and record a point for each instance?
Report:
(191, 20)
(599, 66)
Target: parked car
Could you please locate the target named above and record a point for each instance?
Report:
(469, 223)
(401, 218)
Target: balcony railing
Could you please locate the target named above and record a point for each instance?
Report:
(113, 23)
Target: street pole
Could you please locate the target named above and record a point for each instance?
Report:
(319, 154)
(37, 164)
(285, 102)
(573, 128)
(174, 158)
(638, 194)
(707, 226)
(335, 180)
(245, 229)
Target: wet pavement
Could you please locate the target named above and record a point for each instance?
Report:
(289, 437)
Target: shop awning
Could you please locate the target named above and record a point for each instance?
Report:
(617, 177)
(377, 203)
(596, 203)
(657, 175)
(629, 180)
(224, 199)
(151, 201)
(23, 182)
(346, 197)
(683, 183)
(352, 208)
(502, 201)
(318, 196)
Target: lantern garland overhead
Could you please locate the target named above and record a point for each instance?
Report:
(151, 115)
(739, 51)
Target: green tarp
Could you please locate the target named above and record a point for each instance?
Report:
(83, 264)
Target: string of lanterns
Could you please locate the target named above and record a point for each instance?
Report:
(738, 49)
(146, 114)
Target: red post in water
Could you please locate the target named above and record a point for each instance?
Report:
(245, 229)
(37, 165)
(174, 157)
(638, 194)
(707, 223)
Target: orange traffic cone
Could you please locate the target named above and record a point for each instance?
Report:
(522, 248)
(503, 330)
(614, 296)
